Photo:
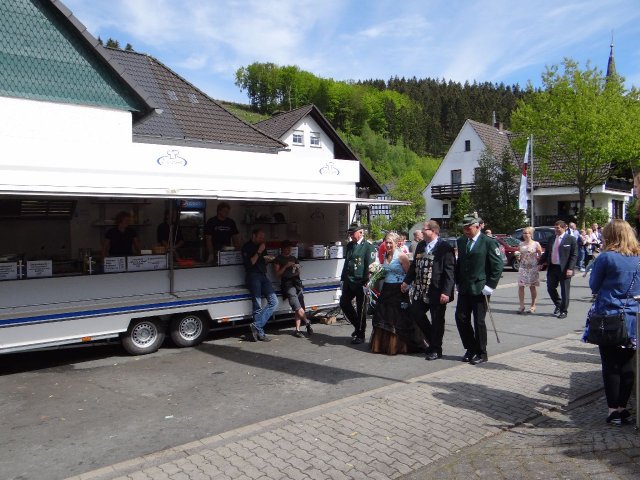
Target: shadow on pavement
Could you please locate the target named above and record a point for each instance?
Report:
(308, 370)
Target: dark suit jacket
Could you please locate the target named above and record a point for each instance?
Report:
(482, 266)
(568, 252)
(442, 274)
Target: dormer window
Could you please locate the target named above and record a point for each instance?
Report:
(314, 139)
(298, 137)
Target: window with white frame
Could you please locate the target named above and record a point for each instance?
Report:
(314, 139)
(298, 137)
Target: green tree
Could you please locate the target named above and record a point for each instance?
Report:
(495, 194)
(582, 122)
(409, 187)
(596, 215)
(463, 206)
(111, 43)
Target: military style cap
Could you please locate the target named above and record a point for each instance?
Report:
(355, 226)
(470, 219)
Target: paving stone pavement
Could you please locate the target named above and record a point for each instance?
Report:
(535, 412)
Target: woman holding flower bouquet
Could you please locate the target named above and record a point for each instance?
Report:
(393, 331)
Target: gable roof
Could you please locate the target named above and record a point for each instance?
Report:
(188, 114)
(498, 140)
(48, 54)
(278, 125)
(494, 139)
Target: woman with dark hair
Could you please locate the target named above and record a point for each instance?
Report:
(614, 282)
(121, 240)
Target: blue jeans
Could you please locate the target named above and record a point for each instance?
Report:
(581, 255)
(260, 286)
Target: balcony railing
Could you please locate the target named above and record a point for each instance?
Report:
(452, 190)
(618, 185)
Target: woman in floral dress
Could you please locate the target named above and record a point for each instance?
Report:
(528, 275)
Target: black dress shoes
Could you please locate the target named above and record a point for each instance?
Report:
(556, 312)
(357, 340)
(478, 359)
(433, 355)
(562, 315)
(468, 355)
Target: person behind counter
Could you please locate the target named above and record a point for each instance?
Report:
(287, 267)
(220, 231)
(258, 284)
(162, 233)
(122, 239)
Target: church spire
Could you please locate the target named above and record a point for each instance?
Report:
(611, 65)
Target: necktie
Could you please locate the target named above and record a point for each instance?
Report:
(469, 242)
(555, 257)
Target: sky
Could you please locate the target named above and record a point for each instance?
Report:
(500, 41)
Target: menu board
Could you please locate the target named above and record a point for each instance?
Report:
(114, 264)
(9, 271)
(39, 268)
(146, 262)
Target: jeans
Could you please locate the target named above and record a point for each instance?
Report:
(581, 256)
(260, 286)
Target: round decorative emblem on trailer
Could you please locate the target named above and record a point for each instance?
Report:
(172, 159)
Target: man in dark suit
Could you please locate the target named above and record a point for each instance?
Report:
(477, 273)
(432, 272)
(560, 256)
(358, 256)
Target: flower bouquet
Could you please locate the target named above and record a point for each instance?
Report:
(377, 274)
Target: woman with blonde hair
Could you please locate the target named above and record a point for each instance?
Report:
(528, 276)
(614, 282)
(393, 331)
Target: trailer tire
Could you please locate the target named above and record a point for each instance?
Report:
(188, 329)
(145, 335)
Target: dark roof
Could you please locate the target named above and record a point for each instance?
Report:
(48, 54)
(278, 125)
(494, 139)
(188, 114)
(497, 140)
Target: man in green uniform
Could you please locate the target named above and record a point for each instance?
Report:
(355, 275)
(477, 273)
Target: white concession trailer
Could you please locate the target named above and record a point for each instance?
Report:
(66, 170)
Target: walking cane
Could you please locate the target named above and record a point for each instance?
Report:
(493, 324)
(363, 314)
(637, 299)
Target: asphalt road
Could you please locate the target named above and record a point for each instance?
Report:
(68, 411)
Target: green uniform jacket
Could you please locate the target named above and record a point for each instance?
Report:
(481, 266)
(357, 259)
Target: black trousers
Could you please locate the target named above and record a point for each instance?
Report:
(474, 338)
(433, 330)
(355, 315)
(617, 374)
(555, 277)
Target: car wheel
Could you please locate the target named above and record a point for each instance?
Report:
(515, 264)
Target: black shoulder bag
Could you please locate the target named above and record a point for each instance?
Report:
(610, 330)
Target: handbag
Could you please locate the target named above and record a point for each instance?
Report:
(610, 330)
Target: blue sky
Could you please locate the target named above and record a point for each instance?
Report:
(508, 41)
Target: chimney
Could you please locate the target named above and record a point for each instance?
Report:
(496, 124)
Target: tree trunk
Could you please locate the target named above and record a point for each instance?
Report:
(582, 199)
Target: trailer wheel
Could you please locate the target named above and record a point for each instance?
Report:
(145, 335)
(188, 330)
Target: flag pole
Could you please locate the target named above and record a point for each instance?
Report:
(531, 175)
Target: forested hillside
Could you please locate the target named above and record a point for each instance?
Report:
(400, 128)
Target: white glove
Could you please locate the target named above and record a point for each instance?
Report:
(487, 290)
